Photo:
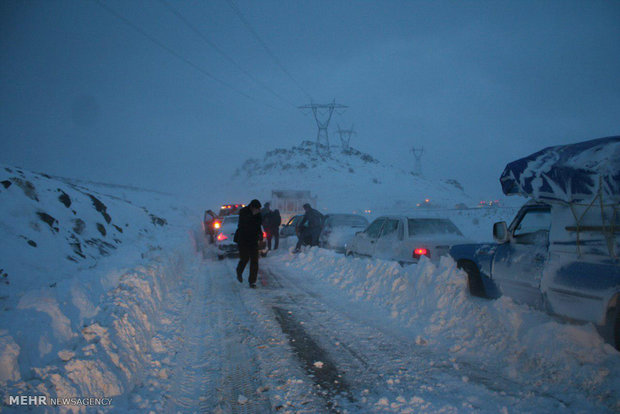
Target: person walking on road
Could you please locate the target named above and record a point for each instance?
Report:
(249, 233)
(309, 228)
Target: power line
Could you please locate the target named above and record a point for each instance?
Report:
(221, 52)
(174, 53)
(264, 45)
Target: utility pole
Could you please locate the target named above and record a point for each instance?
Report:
(345, 137)
(322, 115)
(417, 166)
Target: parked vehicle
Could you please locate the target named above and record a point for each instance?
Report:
(224, 239)
(339, 229)
(230, 209)
(561, 251)
(405, 239)
(210, 224)
(290, 202)
(290, 228)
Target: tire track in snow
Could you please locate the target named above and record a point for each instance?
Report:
(416, 367)
(240, 374)
(193, 374)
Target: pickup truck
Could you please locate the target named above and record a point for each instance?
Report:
(561, 251)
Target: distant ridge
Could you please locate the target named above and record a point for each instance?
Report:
(349, 180)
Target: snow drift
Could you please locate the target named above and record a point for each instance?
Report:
(84, 278)
(433, 303)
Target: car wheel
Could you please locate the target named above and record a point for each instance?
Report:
(474, 280)
(348, 253)
(220, 257)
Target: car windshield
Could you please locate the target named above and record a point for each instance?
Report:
(431, 226)
(347, 220)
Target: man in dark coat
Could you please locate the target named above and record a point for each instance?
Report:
(309, 228)
(249, 233)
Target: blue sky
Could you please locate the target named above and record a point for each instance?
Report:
(478, 84)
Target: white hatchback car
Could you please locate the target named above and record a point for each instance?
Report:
(406, 239)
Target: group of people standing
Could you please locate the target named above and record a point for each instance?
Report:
(252, 221)
(271, 223)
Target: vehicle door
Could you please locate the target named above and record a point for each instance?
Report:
(289, 228)
(518, 264)
(365, 241)
(388, 244)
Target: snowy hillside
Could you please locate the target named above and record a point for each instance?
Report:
(75, 260)
(344, 181)
(43, 219)
(355, 182)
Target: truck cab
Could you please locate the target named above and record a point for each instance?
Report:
(522, 252)
(546, 260)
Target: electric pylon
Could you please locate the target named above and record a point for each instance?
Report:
(417, 166)
(322, 115)
(345, 137)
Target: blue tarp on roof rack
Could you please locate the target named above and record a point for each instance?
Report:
(569, 173)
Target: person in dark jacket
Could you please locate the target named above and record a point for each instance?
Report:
(249, 233)
(309, 228)
(265, 214)
(273, 229)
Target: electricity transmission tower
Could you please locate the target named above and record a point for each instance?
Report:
(417, 166)
(322, 115)
(345, 137)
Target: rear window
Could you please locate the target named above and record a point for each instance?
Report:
(431, 226)
(347, 221)
(231, 220)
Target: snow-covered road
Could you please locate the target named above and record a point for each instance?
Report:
(300, 344)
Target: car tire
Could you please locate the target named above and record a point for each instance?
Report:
(348, 253)
(474, 280)
(220, 257)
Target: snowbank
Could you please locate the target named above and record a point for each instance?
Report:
(433, 304)
(85, 276)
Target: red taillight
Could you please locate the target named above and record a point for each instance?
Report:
(264, 235)
(221, 237)
(421, 251)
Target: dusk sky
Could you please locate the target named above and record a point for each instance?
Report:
(144, 99)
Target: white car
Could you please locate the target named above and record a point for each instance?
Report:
(339, 229)
(405, 239)
(225, 235)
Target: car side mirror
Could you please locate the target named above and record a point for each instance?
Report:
(500, 232)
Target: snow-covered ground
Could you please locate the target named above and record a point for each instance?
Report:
(149, 318)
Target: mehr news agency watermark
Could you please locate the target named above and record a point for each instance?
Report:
(43, 400)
